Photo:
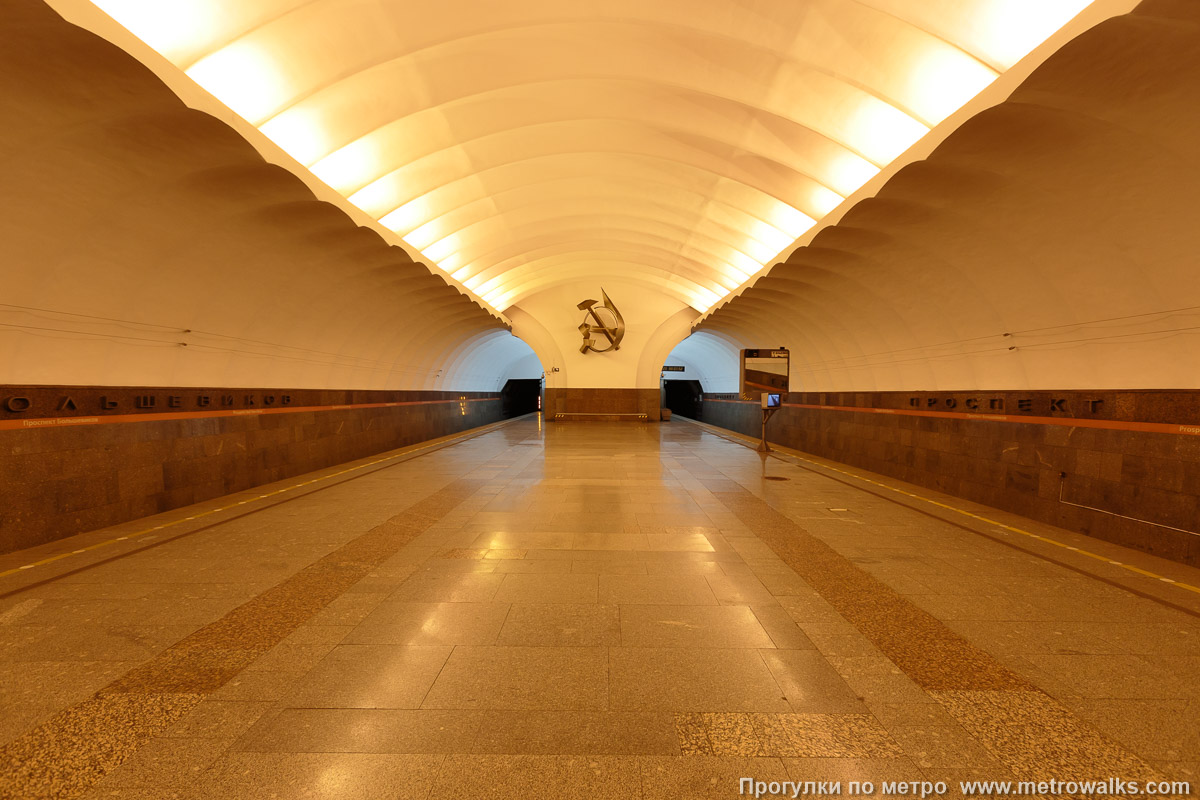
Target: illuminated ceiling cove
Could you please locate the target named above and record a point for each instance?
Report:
(678, 144)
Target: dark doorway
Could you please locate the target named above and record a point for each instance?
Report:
(682, 397)
(520, 396)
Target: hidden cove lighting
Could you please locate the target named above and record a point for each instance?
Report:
(503, 167)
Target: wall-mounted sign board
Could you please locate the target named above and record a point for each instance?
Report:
(763, 371)
(673, 369)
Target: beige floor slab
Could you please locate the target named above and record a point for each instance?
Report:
(810, 684)
(523, 678)
(609, 567)
(577, 732)
(540, 588)
(424, 624)
(362, 730)
(656, 679)
(610, 541)
(691, 626)
(523, 540)
(527, 565)
(739, 590)
(532, 777)
(352, 776)
(449, 587)
(164, 768)
(1163, 730)
(785, 633)
(680, 543)
(561, 625)
(675, 590)
(1115, 676)
(662, 566)
(705, 777)
(371, 676)
(845, 770)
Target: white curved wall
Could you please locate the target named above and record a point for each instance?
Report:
(711, 358)
(1048, 243)
(144, 243)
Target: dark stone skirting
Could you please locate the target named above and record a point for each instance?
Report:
(1139, 486)
(56, 481)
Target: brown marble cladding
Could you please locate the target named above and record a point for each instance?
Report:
(23, 402)
(605, 402)
(1169, 406)
(58, 481)
(1017, 467)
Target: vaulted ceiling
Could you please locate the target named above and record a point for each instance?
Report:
(676, 144)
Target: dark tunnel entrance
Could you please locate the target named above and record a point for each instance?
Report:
(682, 397)
(520, 396)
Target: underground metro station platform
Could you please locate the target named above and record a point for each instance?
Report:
(589, 610)
(625, 400)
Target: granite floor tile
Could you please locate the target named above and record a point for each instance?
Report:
(527, 565)
(742, 591)
(577, 732)
(1102, 676)
(1157, 730)
(423, 624)
(845, 770)
(286, 657)
(691, 731)
(731, 734)
(704, 777)
(257, 686)
(218, 719)
(545, 589)
(610, 567)
(70, 752)
(691, 626)
(442, 587)
(522, 678)
(683, 542)
(371, 676)
(783, 630)
(1037, 738)
(362, 730)
(534, 777)
(1148, 638)
(348, 776)
(625, 542)
(675, 590)
(164, 764)
(524, 540)
(823, 736)
(810, 684)
(677, 679)
(942, 747)
(561, 625)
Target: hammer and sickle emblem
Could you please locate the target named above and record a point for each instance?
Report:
(595, 323)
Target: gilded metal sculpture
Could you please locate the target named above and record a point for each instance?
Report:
(595, 323)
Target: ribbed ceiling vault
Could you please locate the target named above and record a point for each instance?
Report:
(526, 143)
(1048, 242)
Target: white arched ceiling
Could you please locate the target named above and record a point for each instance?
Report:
(1049, 242)
(515, 144)
(146, 243)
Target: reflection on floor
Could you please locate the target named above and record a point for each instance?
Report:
(585, 610)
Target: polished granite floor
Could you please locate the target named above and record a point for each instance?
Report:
(587, 610)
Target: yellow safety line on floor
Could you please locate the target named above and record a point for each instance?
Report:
(163, 526)
(990, 521)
